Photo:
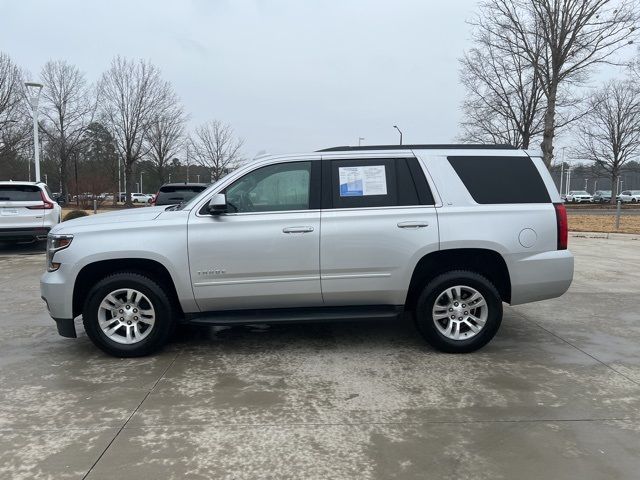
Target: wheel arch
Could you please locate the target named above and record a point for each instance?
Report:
(94, 271)
(485, 262)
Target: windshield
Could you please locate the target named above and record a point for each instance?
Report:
(582, 192)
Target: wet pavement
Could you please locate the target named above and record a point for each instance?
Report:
(555, 395)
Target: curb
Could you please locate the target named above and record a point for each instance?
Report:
(609, 236)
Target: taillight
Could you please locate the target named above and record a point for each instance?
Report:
(46, 204)
(154, 198)
(562, 225)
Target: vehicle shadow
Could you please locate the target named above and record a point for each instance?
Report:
(25, 248)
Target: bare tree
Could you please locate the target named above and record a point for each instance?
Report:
(11, 91)
(504, 102)
(217, 148)
(131, 95)
(562, 40)
(166, 136)
(68, 109)
(609, 134)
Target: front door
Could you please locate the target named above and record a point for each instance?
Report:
(265, 252)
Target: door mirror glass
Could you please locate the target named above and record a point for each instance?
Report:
(217, 204)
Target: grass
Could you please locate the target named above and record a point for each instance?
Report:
(604, 223)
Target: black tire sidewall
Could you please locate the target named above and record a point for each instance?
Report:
(426, 300)
(161, 304)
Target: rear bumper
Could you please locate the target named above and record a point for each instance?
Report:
(23, 234)
(540, 276)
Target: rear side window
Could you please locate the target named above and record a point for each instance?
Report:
(495, 180)
(19, 193)
(375, 183)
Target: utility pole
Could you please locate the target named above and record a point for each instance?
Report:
(187, 163)
(33, 93)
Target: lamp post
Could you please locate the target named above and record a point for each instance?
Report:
(33, 94)
(360, 139)
(140, 183)
(400, 132)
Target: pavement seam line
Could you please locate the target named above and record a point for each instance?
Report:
(524, 317)
(135, 410)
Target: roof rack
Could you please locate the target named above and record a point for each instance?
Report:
(441, 146)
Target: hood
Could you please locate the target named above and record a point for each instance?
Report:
(140, 214)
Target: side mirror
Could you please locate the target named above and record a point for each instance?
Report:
(218, 204)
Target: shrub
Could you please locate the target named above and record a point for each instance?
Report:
(75, 214)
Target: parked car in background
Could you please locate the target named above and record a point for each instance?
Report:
(630, 196)
(601, 196)
(176, 193)
(141, 198)
(578, 196)
(341, 234)
(27, 211)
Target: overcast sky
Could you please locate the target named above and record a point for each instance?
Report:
(287, 75)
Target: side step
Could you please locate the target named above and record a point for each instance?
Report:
(295, 315)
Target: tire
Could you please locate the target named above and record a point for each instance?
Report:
(149, 294)
(430, 301)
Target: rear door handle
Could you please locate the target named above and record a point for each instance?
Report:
(412, 224)
(297, 229)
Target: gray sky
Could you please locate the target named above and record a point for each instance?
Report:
(287, 75)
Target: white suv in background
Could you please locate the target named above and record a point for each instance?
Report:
(141, 198)
(630, 196)
(27, 211)
(445, 232)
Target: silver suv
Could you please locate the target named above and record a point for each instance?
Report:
(27, 211)
(446, 232)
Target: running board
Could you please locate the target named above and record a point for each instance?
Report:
(295, 315)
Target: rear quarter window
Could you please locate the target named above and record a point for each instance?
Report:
(498, 180)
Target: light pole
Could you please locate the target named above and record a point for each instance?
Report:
(399, 131)
(198, 178)
(169, 178)
(33, 93)
(140, 183)
(360, 139)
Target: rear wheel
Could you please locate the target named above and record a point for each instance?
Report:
(458, 312)
(128, 315)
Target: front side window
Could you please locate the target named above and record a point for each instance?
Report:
(279, 187)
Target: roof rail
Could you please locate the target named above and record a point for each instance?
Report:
(442, 146)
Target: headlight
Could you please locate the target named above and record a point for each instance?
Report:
(56, 243)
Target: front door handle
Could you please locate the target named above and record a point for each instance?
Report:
(297, 229)
(412, 224)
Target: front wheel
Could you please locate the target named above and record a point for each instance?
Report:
(458, 312)
(128, 315)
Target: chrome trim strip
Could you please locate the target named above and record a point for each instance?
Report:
(257, 280)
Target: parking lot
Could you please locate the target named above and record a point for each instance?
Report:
(556, 395)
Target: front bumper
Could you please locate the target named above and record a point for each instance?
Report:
(23, 234)
(57, 293)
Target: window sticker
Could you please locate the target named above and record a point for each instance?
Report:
(362, 181)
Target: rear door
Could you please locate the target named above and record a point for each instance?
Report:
(21, 206)
(378, 219)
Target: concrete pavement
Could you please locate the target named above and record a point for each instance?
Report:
(555, 395)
